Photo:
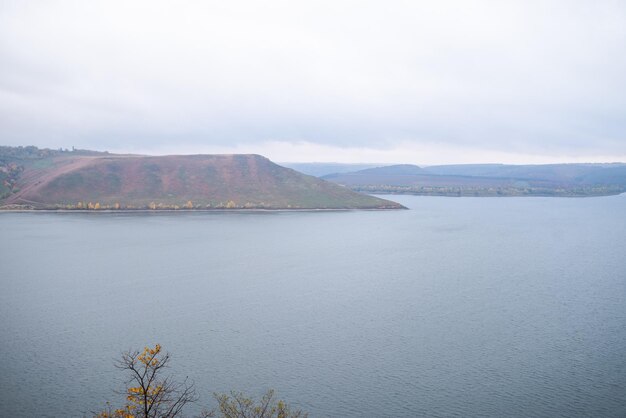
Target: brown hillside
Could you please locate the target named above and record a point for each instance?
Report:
(195, 181)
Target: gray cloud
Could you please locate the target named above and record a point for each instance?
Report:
(545, 77)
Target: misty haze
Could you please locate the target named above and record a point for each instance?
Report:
(312, 209)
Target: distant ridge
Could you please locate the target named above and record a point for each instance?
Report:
(490, 180)
(395, 170)
(45, 179)
(323, 169)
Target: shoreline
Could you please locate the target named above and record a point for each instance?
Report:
(195, 210)
(566, 196)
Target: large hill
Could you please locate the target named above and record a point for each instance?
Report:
(49, 179)
(490, 180)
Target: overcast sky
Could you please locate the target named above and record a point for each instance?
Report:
(420, 82)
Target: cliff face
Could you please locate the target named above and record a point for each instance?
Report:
(193, 181)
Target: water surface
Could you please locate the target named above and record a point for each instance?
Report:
(457, 307)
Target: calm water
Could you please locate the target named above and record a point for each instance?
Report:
(458, 307)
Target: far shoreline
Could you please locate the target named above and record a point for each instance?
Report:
(563, 196)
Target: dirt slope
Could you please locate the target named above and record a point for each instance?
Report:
(171, 182)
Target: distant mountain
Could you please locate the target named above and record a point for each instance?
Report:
(490, 180)
(323, 169)
(81, 180)
(553, 172)
(394, 170)
(391, 171)
(401, 174)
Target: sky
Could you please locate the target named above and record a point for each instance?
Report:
(422, 82)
